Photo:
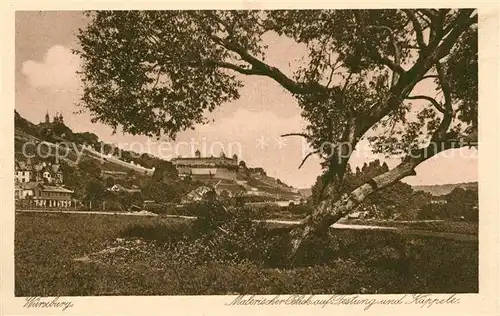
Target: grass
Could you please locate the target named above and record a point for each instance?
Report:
(173, 261)
(458, 227)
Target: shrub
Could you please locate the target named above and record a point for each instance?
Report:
(161, 233)
(176, 259)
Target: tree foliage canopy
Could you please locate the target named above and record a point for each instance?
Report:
(159, 72)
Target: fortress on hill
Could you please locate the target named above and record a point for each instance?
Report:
(221, 167)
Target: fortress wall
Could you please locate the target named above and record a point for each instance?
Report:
(116, 160)
(203, 171)
(223, 173)
(217, 173)
(184, 170)
(213, 161)
(192, 161)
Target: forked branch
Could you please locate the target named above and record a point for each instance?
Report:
(434, 102)
(297, 134)
(307, 156)
(417, 27)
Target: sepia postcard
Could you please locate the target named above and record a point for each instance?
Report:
(251, 157)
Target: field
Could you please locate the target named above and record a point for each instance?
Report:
(132, 255)
(458, 227)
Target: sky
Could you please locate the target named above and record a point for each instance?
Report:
(46, 81)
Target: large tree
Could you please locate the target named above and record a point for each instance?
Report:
(159, 72)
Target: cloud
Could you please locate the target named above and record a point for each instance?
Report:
(252, 123)
(56, 71)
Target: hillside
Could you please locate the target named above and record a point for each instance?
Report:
(435, 189)
(88, 147)
(443, 189)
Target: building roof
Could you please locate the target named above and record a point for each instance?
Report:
(30, 185)
(45, 188)
(118, 187)
(114, 172)
(197, 194)
(22, 166)
(202, 158)
(55, 167)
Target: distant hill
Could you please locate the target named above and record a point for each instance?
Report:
(49, 134)
(443, 189)
(435, 189)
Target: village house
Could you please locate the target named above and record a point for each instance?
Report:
(358, 215)
(26, 171)
(18, 191)
(23, 171)
(439, 200)
(39, 184)
(26, 190)
(105, 174)
(51, 196)
(41, 195)
(51, 174)
(120, 188)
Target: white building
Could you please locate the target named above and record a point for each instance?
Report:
(23, 172)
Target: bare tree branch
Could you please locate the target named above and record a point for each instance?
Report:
(334, 68)
(274, 73)
(307, 156)
(436, 104)
(258, 67)
(242, 70)
(296, 134)
(395, 65)
(451, 35)
(428, 76)
(426, 60)
(448, 113)
(425, 19)
(432, 14)
(410, 46)
(347, 81)
(158, 77)
(328, 212)
(417, 27)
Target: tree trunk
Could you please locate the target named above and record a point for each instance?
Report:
(328, 212)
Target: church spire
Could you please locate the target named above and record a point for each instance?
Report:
(47, 117)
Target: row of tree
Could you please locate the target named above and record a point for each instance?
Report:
(458, 204)
(401, 201)
(396, 201)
